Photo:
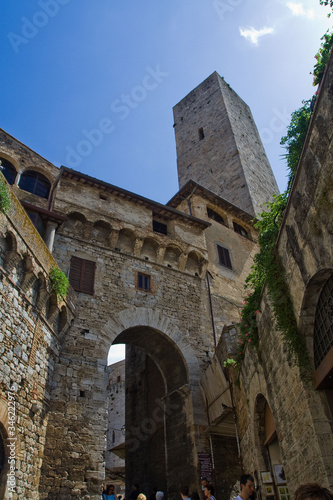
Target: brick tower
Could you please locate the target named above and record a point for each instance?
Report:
(218, 146)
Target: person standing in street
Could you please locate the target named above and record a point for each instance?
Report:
(184, 493)
(247, 487)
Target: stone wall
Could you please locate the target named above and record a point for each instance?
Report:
(176, 322)
(33, 322)
(115, 436)
(175, 326)
(303, 418)
(219, 147)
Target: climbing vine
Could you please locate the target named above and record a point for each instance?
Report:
(4, 197)
(294, 140)
(322, 57)
(267, 268)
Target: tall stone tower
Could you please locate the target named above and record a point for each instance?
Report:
(218, 146)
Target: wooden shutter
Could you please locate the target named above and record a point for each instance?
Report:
(88, 276)
(224, 257)
(82, 275)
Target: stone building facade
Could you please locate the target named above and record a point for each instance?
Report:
(283, 418)
(166, 280)
(115, 435)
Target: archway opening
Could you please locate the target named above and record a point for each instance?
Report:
(154, 399)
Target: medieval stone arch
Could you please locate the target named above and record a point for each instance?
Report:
(309, 327)
(149, 249)
(136, 317)
(100, 232)
(309, 305)
(164, 409)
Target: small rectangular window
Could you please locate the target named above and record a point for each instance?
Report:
(159, 227)
(201, 134)
(82, 275)
(143, 281)
(224, 257)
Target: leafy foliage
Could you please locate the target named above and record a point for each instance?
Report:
(268, 269)
(59, 282)
(322, 57)
(268, 226)
(327, 2)
(294, 140)
(4, 197)
(229, 363)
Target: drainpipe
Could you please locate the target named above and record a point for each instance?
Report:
(188, 199)
(56, 182)
(211, 306)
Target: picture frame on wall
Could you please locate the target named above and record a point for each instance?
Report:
(279, 474)
(269, 490)
(283, 493)
(266, 477)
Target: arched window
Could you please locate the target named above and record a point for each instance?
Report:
(323, 328)
(215, 216)
(37, 221)
(35, 183)
(240, 230)
(8, 170)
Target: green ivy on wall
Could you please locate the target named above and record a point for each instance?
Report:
(268, 268)
(5, 202)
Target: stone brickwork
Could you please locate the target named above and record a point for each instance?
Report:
(32, 323)
(218, 146)
(176, 323)
(115, 436)
(167, 280)
(302, 410)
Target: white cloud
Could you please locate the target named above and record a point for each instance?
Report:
(253, 35)
(297, 9)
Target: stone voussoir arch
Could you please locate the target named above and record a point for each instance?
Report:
(309, 305)
(144, 317)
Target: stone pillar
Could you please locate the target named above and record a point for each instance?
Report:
(138, 246)
(160, 254)
(51, 227)
(182, 261)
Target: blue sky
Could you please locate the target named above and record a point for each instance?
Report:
(72, 67)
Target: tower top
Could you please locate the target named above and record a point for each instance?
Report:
(219, 147)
